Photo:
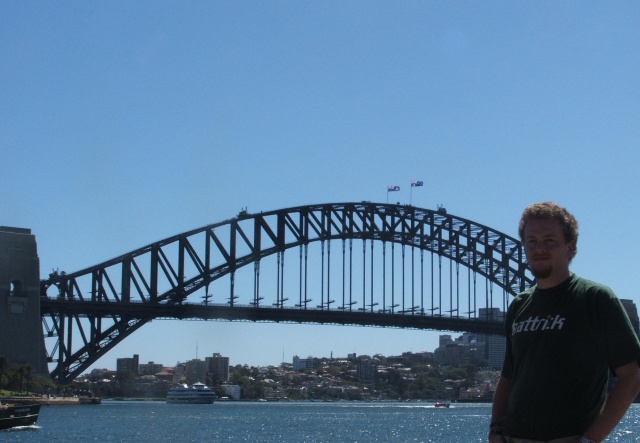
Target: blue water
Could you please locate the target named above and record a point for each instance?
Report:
(272, 422)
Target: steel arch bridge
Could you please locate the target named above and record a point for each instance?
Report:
(395, 266)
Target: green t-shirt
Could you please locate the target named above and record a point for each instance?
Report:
(561, 344)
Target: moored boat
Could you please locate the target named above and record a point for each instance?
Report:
(18, 415)
(441, 404)
(198, 393)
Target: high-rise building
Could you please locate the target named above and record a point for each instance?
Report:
(457, 353)
(218, 368)
(496, 345)
(179, 374)
(195, 371)
(128, 365)
(474, 348)
(496, 348)
(444, 339)
(302, 363)
(366, 371)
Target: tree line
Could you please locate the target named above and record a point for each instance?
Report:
(20, 380)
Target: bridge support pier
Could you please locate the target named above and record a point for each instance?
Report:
(21, 338)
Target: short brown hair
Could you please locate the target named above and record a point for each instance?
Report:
(550, 210)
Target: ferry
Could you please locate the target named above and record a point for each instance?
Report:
(197, 394)
(18, 415)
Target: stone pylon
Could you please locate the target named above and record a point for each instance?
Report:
(21, 337)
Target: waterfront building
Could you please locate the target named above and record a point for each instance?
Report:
(128, 365)
(232, 391)
(218, 368)
(146, 385)
(195, 371)
(273, 391)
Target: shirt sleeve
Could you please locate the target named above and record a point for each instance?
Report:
(621, 345)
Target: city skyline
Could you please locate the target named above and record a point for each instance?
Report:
(493, 348)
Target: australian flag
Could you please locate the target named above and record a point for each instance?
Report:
(416, 183)
(392, 188)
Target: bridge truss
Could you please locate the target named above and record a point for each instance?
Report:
(353, 263)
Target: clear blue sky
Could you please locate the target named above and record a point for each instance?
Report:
(123, 123)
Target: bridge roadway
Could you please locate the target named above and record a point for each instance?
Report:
(238, 312)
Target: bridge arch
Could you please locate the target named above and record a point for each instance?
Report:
(86, 313)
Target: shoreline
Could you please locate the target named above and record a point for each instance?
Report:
(51, 401)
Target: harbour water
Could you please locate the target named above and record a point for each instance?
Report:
(272, 422)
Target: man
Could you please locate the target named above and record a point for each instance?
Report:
(564, 335)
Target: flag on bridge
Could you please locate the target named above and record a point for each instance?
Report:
(414, 183)
(392, 188)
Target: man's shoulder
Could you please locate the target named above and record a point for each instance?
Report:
(524, 294)
(586, 286)
(520, 300)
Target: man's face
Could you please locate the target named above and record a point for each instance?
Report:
(548, 253)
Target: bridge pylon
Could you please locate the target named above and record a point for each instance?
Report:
(21, 339)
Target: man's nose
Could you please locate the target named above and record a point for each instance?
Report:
(535, 246)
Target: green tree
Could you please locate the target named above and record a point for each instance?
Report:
(42, 384)
(27, 368)
(21, 375)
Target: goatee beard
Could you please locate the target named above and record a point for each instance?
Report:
(542, 273)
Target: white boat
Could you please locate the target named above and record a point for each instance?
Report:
(196, 394)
